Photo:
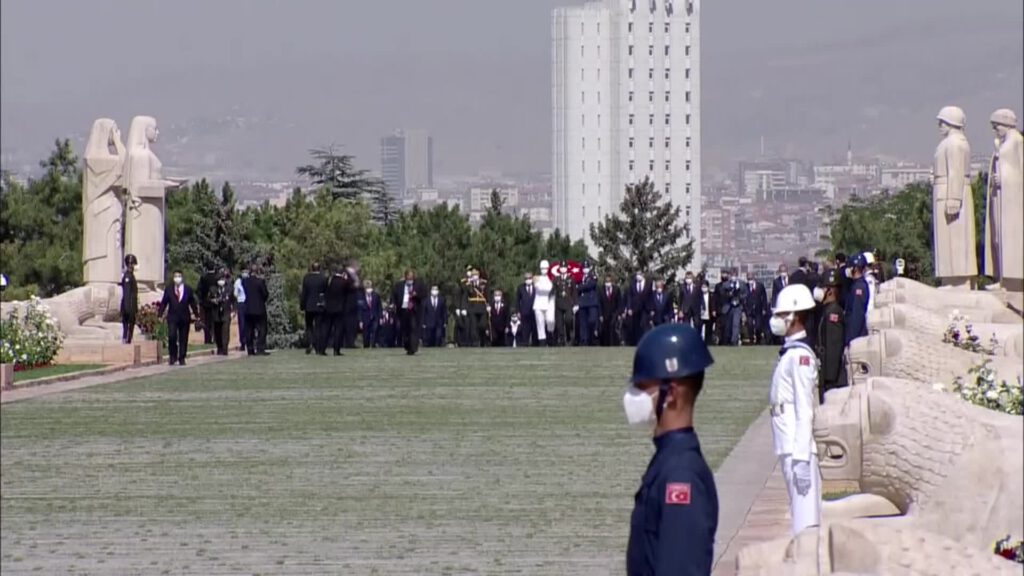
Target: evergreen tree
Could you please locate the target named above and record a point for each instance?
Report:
(646, 236)
(280, 331)
(337, 174)
(383, 207)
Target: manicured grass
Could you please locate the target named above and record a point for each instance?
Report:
(449, 462)
(54, 370)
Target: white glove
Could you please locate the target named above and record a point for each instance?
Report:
(463, 312)
(802, 476)
(575, 309)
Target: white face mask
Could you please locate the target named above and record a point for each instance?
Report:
(220, 282)
(434, 293)
(474, 278)
(178, 280)
(639, 407)
(586, 271)
(689, 280)
(819, 294)
(528, 281)
(497, 298)
(658, 289)
(639, 277)
(848, 272)
(704, 289)
(369, 290)
(779, 325)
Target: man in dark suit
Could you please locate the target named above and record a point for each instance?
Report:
(207, 282)
(802, 273)
(256, 296)
(499, 317)
(338, 293)
(524, 304)
(755, 306)
(843, 276)
(690, 301)
(435, 319)
(177, 303)
(350, 320)
(638, 308)
(610, 304)
(588, 312)
(408, 300)
(370, 311)
(661, 304)
(313, 301)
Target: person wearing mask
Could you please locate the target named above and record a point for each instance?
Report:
(524, 304)
(206, 282)
(707, 313)
(338, 288)
(755, 306)
(517, 337)
(313, 300)
(856, 315)
(350, 318)
(219, 300)
(474, 295)
(638, 309)
(407, 298)
(791, 402)
(689, 301)
(675, 518)
(662, 305)
(802, 274)
(610, 302)
(871, 278)
(831, 335)
(129, 299)
(370, 310)
(586, 294)
(240, 306)
(257, 296)
(843, 272)
(499, 318)
(728, 294)
(565, 301)
(435, 319)
(178, 306)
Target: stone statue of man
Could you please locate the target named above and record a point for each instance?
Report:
(1004, 218)
(102, 205)
(144, 230)
(956, 261)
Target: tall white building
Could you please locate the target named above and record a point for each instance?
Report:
(625, 106)
(407, 161)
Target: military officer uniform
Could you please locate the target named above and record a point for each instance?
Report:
(831, 340)
(475, 305)
(565, 300)
(587, 298)
(857, 304)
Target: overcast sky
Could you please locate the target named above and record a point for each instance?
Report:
(808, 75)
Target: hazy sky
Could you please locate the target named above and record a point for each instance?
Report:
(807, 75)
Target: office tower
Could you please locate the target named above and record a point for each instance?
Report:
(407, 161)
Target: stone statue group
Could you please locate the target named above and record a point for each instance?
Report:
(123, 203)
(956, 261)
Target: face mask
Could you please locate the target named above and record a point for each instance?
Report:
(178, 280)
(749, 280)
(607, 284)
(245, 274)
(220, 282)
(689, 280)
(639, 407)
(408, 282)
(434, 292)
(782, 273)
(704, 289)
(474, 278)
(819, 294)
(639, 277)
(780, 325)
(369, 290)
(528, 281)
(848, 273)
(497, 298)
(586, 271)
(658, 290)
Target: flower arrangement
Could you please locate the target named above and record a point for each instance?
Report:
(149, 323)
(1012, 550)
(982, 389)
(32, 339)
(960, 333)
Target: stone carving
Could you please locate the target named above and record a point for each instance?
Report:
(102, 204)
(147, 188)
(1004, 217)
(905, 354)
(929, 323)
(952, 204)
(905, 290)
(80, 312)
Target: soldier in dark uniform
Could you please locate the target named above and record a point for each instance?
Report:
(474, 295)
(831, 337)
(206, 283)
(221, 299)
(565, 299)
(672, 530)
(857, 301)
(587, 301)
(129, 298)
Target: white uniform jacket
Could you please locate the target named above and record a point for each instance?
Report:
(791, 400)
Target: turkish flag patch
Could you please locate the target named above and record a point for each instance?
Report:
(677, 493)
(860, 292)
(833, 317)
(805, 360)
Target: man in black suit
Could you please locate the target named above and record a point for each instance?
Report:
(435, 319)
(350, 320)
(802, 274)
(207, 282)
(256, 296)
(755, 306)
(690, 301)
(638, 308)
(338, 293)
(408, 300)
(313, 300)
(370, 311)
(524, 304)
(609, 301)
(178, 302)
(499, 316)
(661, 304)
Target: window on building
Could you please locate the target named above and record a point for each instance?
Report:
(668, 119)
(630, 73)
(599, 74)
(687, 95)
(650, 96)
(598, 97)
(598, 50)
(632, 165)
(583, 143)
(583, 29)
(584, 212)
(687, 52)
(631, 119)
(630, 27)
(666, 49)
(650, 27)
(668, 142)
(687, 212)
(599, 190)
(582, 52)
(583, 120)
(687, 28)
(668, 165)
(650, 142)
(687, 119)
(583, 188)
(650, 120)
(668, 96)
(650, 73)
(630, 49)
(598, 28)
(630, 95)
(599, 144)
(689, 140)
(650, 166)
(632, 142)
(688, 165)
(598, 212)
(668, 73)
(687, 73)
(668, 188)
(598, 166)
(583, 97)
(668, 27)
(598, 120)
(687, 188)
(583, 74)
(583, 165)
(650, 50)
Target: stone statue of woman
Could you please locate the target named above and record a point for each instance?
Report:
(1004, 222)
(956, 260)
(144, 230)
(102, 205)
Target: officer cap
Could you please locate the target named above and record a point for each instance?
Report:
(833, 279)
(858, 261)
(669, 352)
(130, 259)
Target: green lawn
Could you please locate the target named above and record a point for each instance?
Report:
(449, 462)
(192, 348)
(54, 370)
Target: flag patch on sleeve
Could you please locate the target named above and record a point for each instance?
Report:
(805, 360)
(860, 292)
(677, 493)
(833, 317)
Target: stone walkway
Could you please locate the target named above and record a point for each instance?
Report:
(752, 499)
(27, 392)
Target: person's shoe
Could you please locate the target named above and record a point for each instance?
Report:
(181, 362)
(309, 351)
(338, 353)
(171, 363)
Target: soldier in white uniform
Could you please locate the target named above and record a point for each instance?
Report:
(792, 402)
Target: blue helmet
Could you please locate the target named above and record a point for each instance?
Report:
(668, 352)
(858, 261)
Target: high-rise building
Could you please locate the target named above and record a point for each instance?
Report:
(626, 105)
(407, 161)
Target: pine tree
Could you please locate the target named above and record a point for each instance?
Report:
(383, 207)
(337, 174)
(280, 333)
(646, 236)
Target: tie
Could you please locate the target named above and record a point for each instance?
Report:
(369, 301)
(751, 286)
(785, 281)
(529, 290)
(609, 292)
(177, 292)
(433, 302)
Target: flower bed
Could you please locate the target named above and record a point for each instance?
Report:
(1010, 549)
(982, 389)
(960, 333)
(149, 323)
(30, 340)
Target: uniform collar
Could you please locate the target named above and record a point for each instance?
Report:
(682, 437)
(798, 336)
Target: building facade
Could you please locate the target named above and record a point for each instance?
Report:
(407, 161)
(625, 106)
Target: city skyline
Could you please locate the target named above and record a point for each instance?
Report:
(254, 93)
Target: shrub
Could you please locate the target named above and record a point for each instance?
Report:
(149, 323)
(32, 339)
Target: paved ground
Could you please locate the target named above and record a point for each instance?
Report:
(453, 462)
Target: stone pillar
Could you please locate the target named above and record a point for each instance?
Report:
(7, 376)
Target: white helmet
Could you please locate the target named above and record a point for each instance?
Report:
(1004, 117)
(953, 116)
(794, 298)
(869, 257)
(544, 266)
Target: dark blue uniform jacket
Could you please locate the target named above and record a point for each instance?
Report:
(857, 310)
(672, 531)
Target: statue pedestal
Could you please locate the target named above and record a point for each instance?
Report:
(6, 376)
(135, 353)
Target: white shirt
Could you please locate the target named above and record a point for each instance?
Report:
(872, 285)
(239, 291)
(705, 311)
(405, 297)
(792, 401)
